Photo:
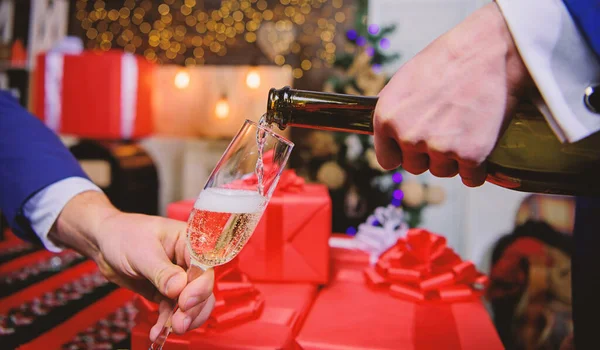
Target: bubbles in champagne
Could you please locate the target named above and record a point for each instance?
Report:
(221, 223)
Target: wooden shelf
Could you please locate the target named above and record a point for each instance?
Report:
(7, 65)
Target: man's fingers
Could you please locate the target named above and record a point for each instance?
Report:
(204, 313)
(414, 162)
(198, 301)
(387, 151)
(472, 175)
(197, 291)
(194, 317)
(164, 310)
(441, 165)
(414, 157)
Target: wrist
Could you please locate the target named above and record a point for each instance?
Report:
(79, 224)
(486, 34)
(517, 73)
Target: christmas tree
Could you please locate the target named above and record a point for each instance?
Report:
(346, 163)
(364, 55)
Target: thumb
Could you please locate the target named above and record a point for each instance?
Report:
(168, 278)
(389, 154)
(387, 149)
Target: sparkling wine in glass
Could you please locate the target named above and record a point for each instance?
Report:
(233, 200)
(221, 223)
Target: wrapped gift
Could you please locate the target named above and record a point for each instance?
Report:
(376, 235)
(344, 254)
(420, 295)
(246, 315)
(252, 335)
(290, 243)
(180, 210)
(94, 95)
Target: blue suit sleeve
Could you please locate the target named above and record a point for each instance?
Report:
(32, 157)
(586, 13)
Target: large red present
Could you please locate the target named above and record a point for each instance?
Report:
(419, 296)
(180, 210)
(290, 243)
(344, 256)
(95, 95)
(246, 315)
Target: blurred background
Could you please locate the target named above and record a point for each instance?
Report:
(185, 74)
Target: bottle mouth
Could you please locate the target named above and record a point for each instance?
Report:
(271, 102)
(275, 104)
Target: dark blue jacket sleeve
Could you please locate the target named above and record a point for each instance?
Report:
(585, 261)
(31, 158)
(586, 14)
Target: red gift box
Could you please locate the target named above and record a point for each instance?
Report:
(95, 95)
(254, 335)
(238, 322)
(180, 210)
(377, 304)
(344, 258)
(291, 241)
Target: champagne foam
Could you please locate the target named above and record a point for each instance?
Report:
(226, 200)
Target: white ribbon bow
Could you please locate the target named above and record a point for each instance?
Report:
(379, 233)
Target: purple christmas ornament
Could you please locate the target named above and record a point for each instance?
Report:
(398, 194)
(373, 29)
(384, 43)
(397, 177)
(361, 41)
(351, 34)
(351, 231)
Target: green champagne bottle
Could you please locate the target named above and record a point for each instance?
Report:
(528, 156)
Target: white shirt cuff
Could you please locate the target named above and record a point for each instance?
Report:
(560, 61)
(43, 208)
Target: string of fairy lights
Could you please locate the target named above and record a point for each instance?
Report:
(295, 33)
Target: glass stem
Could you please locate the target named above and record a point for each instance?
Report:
(195, 270)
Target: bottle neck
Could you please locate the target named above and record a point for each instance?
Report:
(320, 110)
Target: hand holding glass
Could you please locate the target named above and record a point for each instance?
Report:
(229, 207)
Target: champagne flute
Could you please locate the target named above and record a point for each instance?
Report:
(228, 209)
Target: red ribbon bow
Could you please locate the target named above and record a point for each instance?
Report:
(289, 181)
(421, 267)
(236, 299)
